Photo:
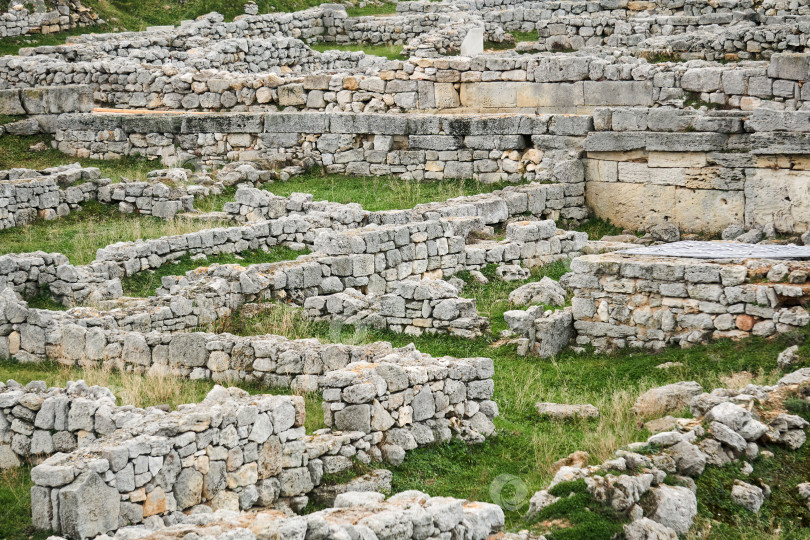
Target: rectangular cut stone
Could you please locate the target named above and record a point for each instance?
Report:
(488, 95)
(676, 159)
(778, 196)
(559, 97)
(618, 93)
(634, 206)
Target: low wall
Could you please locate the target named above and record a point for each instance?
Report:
(433, 516)
(234, 451)
(414, 147)
(650, 302)
(49, 16)
(37, 421)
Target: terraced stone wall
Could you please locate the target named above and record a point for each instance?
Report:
(702, 172)
(641, 301)
(45, 17)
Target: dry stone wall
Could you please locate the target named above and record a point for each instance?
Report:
(45, 17)
(641, 301)
(234, 451)
(413, 147)
(37, 421)
(367, 514)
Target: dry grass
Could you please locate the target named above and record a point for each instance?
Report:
(140, 390)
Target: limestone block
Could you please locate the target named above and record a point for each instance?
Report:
(677, 159)
(561, 97)
(473, 43)
(88, 507)
(446, 96)
(634, 206)
(489, 95)
(778, 197)
(795, 67)
(618, 93)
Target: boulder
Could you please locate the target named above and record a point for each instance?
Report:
(788, 357)
(88, 507)
(672, 506)
(546, 291)
(671, 397)
(748, 496)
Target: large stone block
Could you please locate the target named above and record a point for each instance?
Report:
(57, 99)
(553, 97)
(88, 507)
(708, 210)
(489, 95)
(778, 196)
(618, 93)
(793, 66)
(635, 206)
(10, 103)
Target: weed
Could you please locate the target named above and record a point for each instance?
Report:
(145, 283)
(392, 52)
(377, 193)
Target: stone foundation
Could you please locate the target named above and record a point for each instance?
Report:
(650, 302)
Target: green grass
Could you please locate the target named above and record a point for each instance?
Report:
(492, 299)
(499, 45)
(145, 283)
(80, 234)
(597, 228)
(379, 193)
(15, 506)
(525, 445)
(532, 35)
(392, 52)
(589, 519)
(14, 152)
(384, 8)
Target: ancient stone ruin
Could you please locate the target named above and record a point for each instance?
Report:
(684, 121)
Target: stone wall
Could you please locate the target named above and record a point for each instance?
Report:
(553, 83)
(488, 148)
(37, 421)
(48, 16)
(24, 200)
(702, 172)
(432, 518)
(641, 301)
(234, 451)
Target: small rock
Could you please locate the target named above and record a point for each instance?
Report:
(511, 272)
(539, 501)
(732, 232)
(668, 365)
(667, 423)
(671, 397)
(788, 357)
(574, 459)
(647, 529)
(478, 277)
(561, 411)
(748, 496)
(754, 236)
(38, 147)
(665, 232)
